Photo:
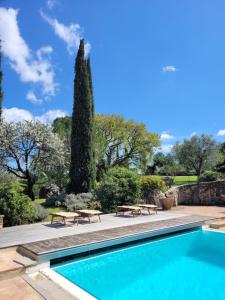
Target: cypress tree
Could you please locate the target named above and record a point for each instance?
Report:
(1, 75)
(81, 168)
(93, 120)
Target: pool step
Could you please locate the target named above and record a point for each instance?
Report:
(217, 224)
(47, 288)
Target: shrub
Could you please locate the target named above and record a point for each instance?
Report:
(16, 208)
(119, 186)
(208, 176)
(40, 213)
(94, 205)
(79, 201)
(50, 193)
(150, 184)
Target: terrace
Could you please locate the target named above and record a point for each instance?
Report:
(43, 241)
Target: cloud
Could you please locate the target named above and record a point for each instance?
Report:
(16, 114)
(165, 136)
(50, 4)
(70, 34)
(221, 132)
(169, 69)
(31, 66)
(193, 134)
(33, 98)
(50, 116)
(166, 148)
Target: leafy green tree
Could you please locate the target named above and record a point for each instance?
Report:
(82, 160)
(123, 143)
(198, 153)
(118, 142)
(221, 164)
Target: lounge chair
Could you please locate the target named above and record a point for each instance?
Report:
(88, 213)
(64, 216)
(135, 210)
(149, 207)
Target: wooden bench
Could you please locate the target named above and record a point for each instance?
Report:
(64, 216)
(135, 210)
(88, 213)
(149, 207)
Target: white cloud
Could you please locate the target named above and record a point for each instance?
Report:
(165, 136)
(33, 98)
(51, 3)
(221, 132)
(31, 67)
(166, 148)
(50, 116)
(169, 69)
(70, 34)
(193, 134)
(16, 114)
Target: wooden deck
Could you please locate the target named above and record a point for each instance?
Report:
(40, 248)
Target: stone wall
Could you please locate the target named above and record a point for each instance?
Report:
(207, 193)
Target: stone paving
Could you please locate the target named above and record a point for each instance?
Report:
(17, 289)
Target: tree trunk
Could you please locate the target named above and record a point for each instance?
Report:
(30, 187)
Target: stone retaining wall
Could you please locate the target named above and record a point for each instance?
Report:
(206, 193)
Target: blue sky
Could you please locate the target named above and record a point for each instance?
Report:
(161, 62)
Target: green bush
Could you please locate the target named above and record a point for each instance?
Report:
(40, 213)
(79, 201)
(119, 186)
(208, 176)
(16, 208)
(149, 184)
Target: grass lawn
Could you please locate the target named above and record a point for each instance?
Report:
(179, 180)
(49, 209)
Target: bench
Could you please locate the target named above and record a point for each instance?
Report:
(135, 210)
(64, 216)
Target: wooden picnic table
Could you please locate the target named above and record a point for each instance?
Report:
(149, 207)
(64, 216)
(135, 210)
(88, 213)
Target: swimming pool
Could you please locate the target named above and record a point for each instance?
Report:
(183, 266)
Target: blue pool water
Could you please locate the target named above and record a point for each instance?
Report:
(185, 266)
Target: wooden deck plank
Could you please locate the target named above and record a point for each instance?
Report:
(66, 242)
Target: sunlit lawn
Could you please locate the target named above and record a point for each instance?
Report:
(179, 180)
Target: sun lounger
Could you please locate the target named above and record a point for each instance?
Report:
(88, 213)
(135, 210)
(149, 207)
(64, 216)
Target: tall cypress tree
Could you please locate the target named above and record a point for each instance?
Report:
(93, 120)
(81, 168)
(1, 75)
